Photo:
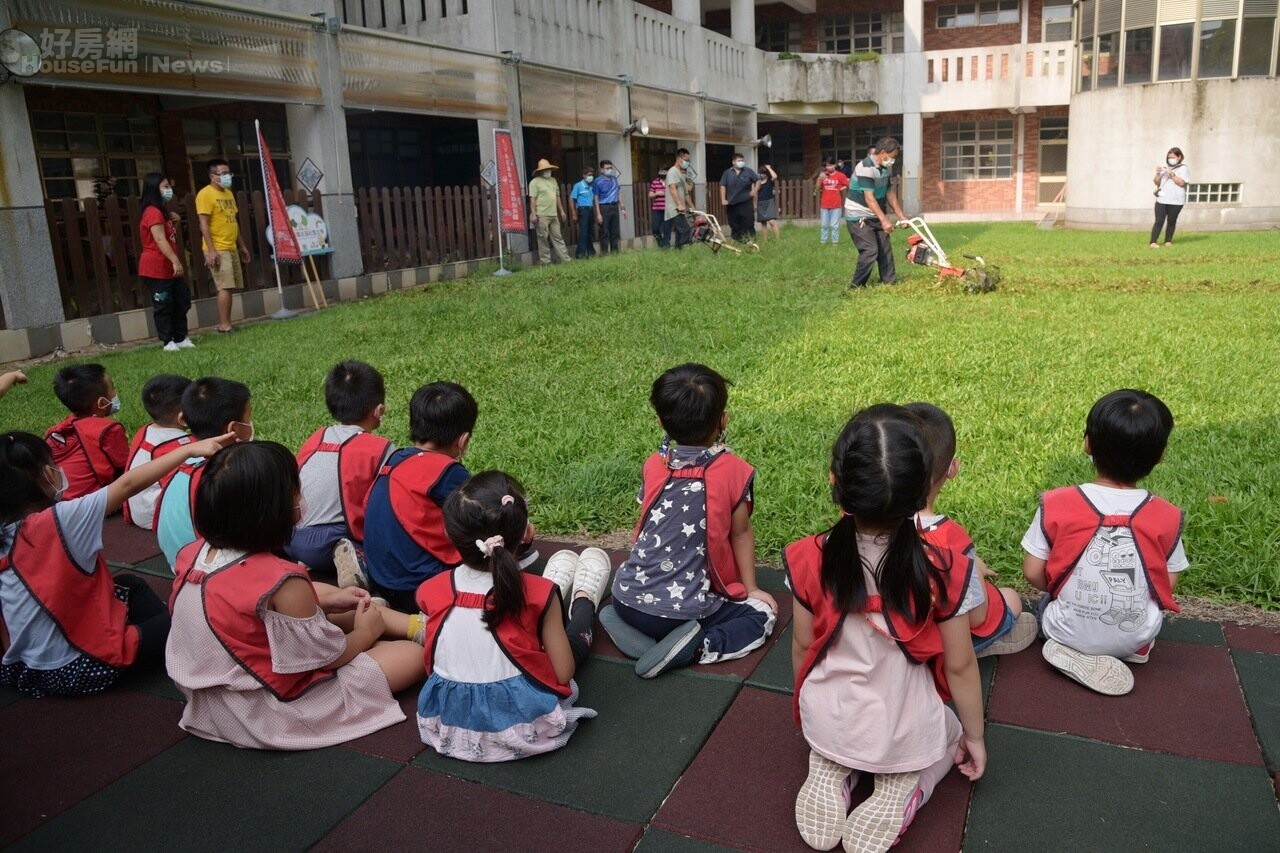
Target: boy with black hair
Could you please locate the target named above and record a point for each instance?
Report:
(687, 593)
(211, 406)
(997, 624)
(1108, 554)
(162, 399)
(89, 446)
(338, 465)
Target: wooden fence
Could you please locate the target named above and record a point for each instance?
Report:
(96, 248)
(403, 227)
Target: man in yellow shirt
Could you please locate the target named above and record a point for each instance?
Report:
(216, 206)
(546, 210)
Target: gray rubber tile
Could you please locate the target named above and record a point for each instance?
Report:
(1180, 630)
(1260, 678)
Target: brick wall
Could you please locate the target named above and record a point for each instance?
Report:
(937, 194)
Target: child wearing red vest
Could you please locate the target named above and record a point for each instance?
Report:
(89, 446)
(997, 623)
(1108, 554)
(167, 432)
(338, 465)
(878, 646)
(265, 658)
(73, 629)
(687, 593)
(499, 656)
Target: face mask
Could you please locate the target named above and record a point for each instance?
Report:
(684, 164)
(589, 178)
(243, 431)
(1172, 161)
(167, 195)
(662, 174)
(887, 163)
(113, 403)
(225, 181)
(61, 485)
(547, 173)
(738, 164)
(611, 172)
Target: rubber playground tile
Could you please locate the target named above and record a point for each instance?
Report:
(124, 543)
(419, 810)
(1182, 630)
(657, 841)
(1252, 638)
(1260, 679)
(622, 763)
(8, 696)
(153, 681)
(400, 742)
(741, 789)
(775, 671)
(1168, 709)
(60, 750)
(1053, 792)
(201, 795)
(157, 566)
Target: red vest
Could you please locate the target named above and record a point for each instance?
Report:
(519, 636)
(91, 451)
(84, 607)
(959, 562)
(193, 470)
(920, 642)
(1070, 522)
(230, 598)
(411, 480)
(359, 461)
(140, 445)
(725, 477)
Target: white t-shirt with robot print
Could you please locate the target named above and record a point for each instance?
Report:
(1104, 607)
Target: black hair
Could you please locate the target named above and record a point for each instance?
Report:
(887, 144)
(440, 413)
(1176, 150)
(80, 386)
(151, 193)
(162, 397)
(247, 497)
(604, 163)
(681, 152)
(829, 161)
(480, 509)
(880, 467)
(211, 402)
(1127, 432)
(23, 459)
(215, 163)
(352, 390)
(939, 433)
(690, 400)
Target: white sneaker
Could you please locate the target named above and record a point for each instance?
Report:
(347, 561)
(592, 578)
(186, 343)
(1103, 673)
(561, 568)
(171, 347)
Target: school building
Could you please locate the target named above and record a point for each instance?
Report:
(1006, 109)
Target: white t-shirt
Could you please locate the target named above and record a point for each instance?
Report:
(142, 506)
(1104, 607)
(1169, 192)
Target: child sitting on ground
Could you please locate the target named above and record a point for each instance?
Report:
(265, 658)
(162, 398)
(338, 465)
(687, 593)
(874, 650)
(1108, 554)
(210, 406)
(499, 658)
(997, 623)
(90, 446)
(73, 629)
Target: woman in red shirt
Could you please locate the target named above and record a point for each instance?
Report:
(160, 267)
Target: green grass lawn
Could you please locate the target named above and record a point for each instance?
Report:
(561, 360)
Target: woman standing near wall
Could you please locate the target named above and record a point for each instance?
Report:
(1171, 194)
(160, 267)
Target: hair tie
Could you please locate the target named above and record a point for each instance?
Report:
(488, 546)
(507, 499)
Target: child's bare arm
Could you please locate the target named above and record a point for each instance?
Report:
(742, 538)
(1033, 570)
(966, 692)
(8, 380)
(556, 642)
(131, 482)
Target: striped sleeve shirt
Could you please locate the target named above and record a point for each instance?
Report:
(868, 177)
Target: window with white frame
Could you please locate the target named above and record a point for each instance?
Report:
(835, 34)
(778, 36)
(983, 13)
(837, 143)
(879, 32)
(977, 150)
(1213, 194)
(1056, 19)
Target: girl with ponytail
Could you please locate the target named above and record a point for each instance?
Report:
(873, 662)
(498, 653)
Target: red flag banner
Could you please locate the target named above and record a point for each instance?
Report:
(510, 191)
(283, 241)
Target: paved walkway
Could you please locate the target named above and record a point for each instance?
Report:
(700, 760)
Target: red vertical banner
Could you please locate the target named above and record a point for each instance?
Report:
(511, 215)
(284, 242)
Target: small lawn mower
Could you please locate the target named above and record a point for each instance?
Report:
(923, 249)
(706, 229)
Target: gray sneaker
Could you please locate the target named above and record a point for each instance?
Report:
(349, 565)
(682, 647)
(630, 641)
(1103, 673)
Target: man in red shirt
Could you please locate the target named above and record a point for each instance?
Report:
(833, 184)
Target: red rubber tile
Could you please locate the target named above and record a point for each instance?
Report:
(1252, 638)
(400, 742)
(124, 543)
(741, 789)
(1166, 710)
(59, 751)
(422, 810)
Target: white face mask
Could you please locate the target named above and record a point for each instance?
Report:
(166, 194)
(114, 403)
(738, 164)
(546, 173)
(1172, 161)
(887, 163)
(61, 485)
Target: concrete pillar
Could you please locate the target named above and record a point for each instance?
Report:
(28, 277)
(320, 132)
(742, 21)
(912, 121)
(689, 11)
(912, 158)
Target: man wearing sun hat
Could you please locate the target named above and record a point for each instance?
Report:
(546, 210)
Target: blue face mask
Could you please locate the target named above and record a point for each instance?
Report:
(166, 194)
(589, 178)
(225, 181)
(113, 403)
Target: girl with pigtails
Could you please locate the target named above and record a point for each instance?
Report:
(499, 656)
(873, 663)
